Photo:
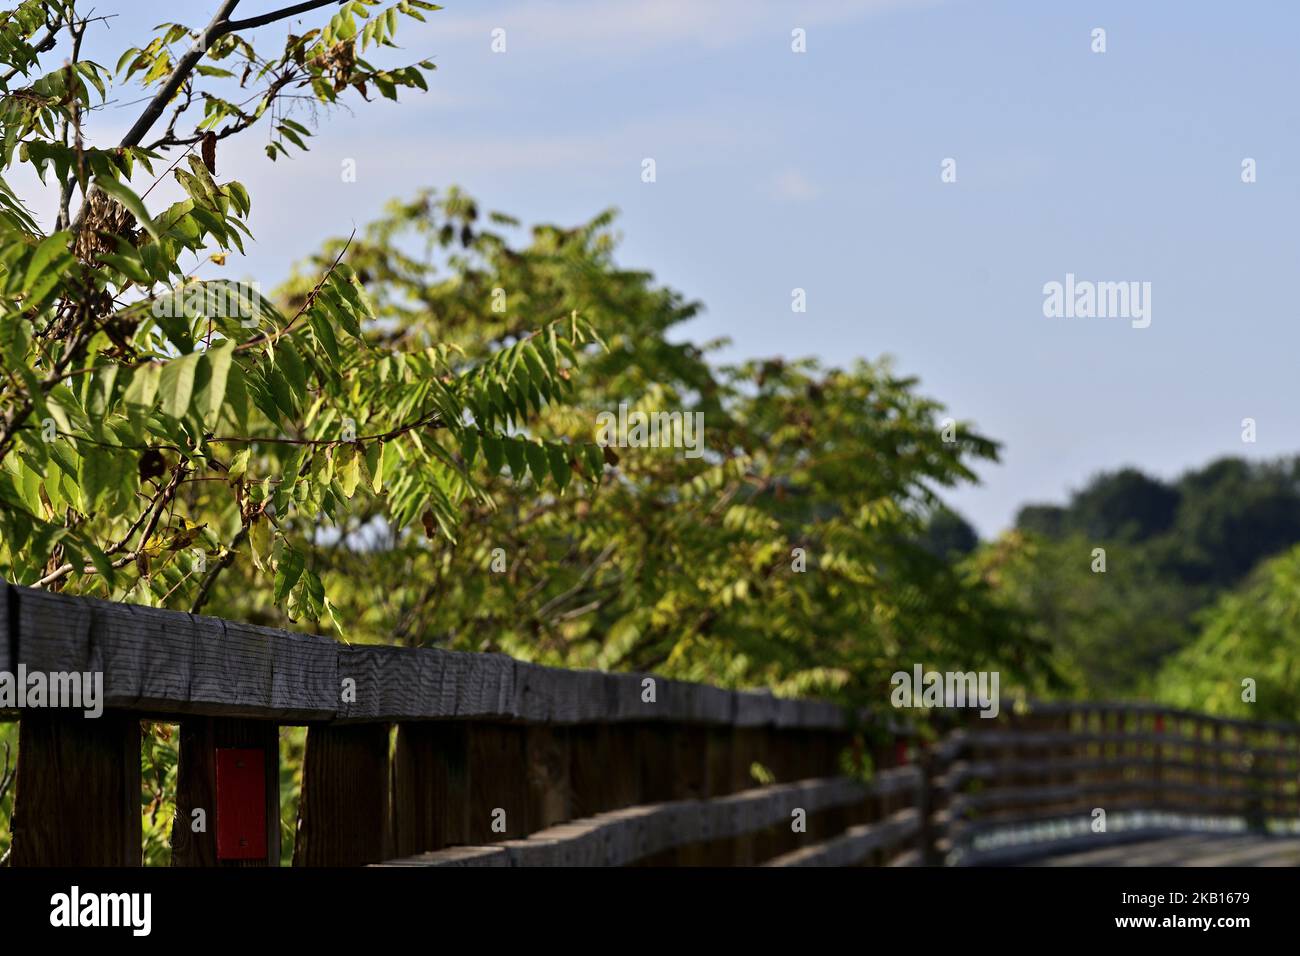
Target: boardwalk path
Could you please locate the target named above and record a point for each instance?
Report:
(1195, 849)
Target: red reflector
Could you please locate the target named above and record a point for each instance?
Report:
(241, 804)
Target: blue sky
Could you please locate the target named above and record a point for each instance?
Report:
(821, 170)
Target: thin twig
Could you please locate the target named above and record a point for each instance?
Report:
(227, 559)
(307, 304)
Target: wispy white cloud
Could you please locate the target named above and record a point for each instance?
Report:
(794, 185)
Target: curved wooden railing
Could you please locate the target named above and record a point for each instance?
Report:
(422, 756)
(1065, 775)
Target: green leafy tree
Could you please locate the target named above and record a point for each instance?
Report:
(1173, 550)
(1124, 505)
(1250, 633)
(948, 533)
(787, 553)
(403, 438)
(155, 425)
(1046, 520)
(1210, 527)
(1235, 514)
(1108, 631)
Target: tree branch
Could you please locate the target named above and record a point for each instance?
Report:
(227, 559)
(261, 21)
(65, 191)
(220, 26)
(184, 67)
(154, 512)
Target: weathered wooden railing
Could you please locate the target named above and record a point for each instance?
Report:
(424, 757)
(1077, 775)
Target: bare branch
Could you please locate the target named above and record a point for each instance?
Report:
(65, 192)
(283, 14)
(154, 513)
(220, 26)
(184, 67)
(227, 559)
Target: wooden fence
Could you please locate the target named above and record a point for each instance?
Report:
(423, 756)
(1039, 777)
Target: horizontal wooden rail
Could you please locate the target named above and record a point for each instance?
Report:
(1017, 797)
(169, 663)
(1047, 709)
(412, 755)
(1016, 740)
(963, 833)
(415, 756)
(963, 772)
(633, 834)
(857, 843)
(1051, 766)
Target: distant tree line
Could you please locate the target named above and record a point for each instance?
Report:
(1201, 588)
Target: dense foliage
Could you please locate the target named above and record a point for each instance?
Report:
(1173, 550)
(785, 554)
(1250, 634)
(155, 426)
(403, 439)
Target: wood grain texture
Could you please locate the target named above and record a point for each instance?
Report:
(632, 834)
(343, 812)
(430, 786)
(77, 790)
(399, 683)
(455, 856)
(7, 634)
(549, 774)
(196, 787)
(167, 663)
(498, 783)
(604, 770)
(174, 663)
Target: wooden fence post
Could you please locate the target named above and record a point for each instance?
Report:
(550, 790)
(656, 756)
(673, 765)
(196, 788)
(343, 810)
(604, 770)
(430, 786)
(1255, 813)
(927, 838)
(499, 804)
(77, 790)
(1158, 768)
